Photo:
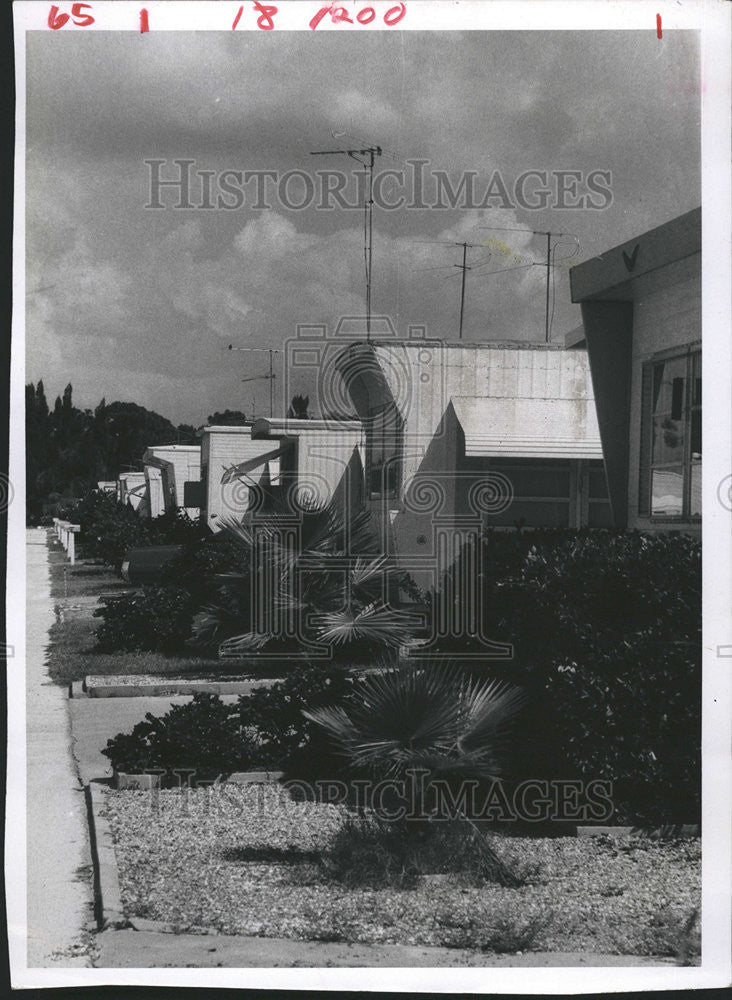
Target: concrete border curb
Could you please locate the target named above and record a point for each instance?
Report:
(167, 689)
(107, 897)
(681, 830)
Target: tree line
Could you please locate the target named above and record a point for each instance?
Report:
(69, 450)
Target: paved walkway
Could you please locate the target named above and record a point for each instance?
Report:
(60, 899)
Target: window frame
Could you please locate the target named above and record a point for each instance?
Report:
(688, 354)
(393, 464)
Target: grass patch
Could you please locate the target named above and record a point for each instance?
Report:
(71, 656)
(71, 653)
(84, 579)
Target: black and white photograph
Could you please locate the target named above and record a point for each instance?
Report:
(359, 627)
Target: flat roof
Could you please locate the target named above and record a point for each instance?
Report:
(419, 344)
(267, 426)
(227, 429)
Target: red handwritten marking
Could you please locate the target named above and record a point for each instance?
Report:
(56, 20)
(365, 16)
(395, 14)
(659, 31)
(82, 20)
(315, 21)
(237, 18)
(266, 13)
(144, 23)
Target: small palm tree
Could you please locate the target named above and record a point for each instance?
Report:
(324, 596)
(430, 717)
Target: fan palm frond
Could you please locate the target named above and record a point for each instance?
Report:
(424, 715)
(374, 625)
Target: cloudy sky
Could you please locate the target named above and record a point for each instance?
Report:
(132, 303)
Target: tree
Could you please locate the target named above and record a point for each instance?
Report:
(229, 418)
(299, 408)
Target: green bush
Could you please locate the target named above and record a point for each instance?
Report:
(155, 618)
(606, 629)
(286, 739)
(377, 854)
(160, 616)
(109, 528)
(203, 735)
(266, 729)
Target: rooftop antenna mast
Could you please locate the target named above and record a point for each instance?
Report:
(547, 263)
(464, 267)
(366, 157)
(269, 376)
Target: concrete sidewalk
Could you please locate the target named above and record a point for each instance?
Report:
(96, 720)
(60, 896)
(143, 949)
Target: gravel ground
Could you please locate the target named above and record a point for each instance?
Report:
(180, 861)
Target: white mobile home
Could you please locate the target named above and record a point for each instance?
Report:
(222, 449)
(132, 490)
(641, 312)
(167, 470)
(505, 432)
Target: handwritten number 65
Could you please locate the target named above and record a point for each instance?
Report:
(81, 20)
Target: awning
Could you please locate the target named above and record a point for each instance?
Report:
(253, 463)
(528, 428)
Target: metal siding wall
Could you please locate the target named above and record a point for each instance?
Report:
(668, 318)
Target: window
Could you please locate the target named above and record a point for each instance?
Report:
(670, 470)
(384, 444)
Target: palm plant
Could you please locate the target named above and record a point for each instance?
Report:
(320, 595)
(425, 715)
(432, 717)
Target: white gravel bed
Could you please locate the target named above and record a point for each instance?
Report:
(177, 855)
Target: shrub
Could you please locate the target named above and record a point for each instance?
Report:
(287, 739)
(265, 729)
(109, 528)
(375, 853)
(203, 735)
(606, 628)
(156, 619)
(160, 617)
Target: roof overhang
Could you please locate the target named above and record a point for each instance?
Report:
(528, 428)
(611, 274)
(276, 427)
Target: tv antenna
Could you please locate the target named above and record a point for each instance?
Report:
(269, 376)
(547, 263)
(464, 267)
(366, 157)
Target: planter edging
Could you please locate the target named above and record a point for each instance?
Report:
(108, 907)
(172, 689)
